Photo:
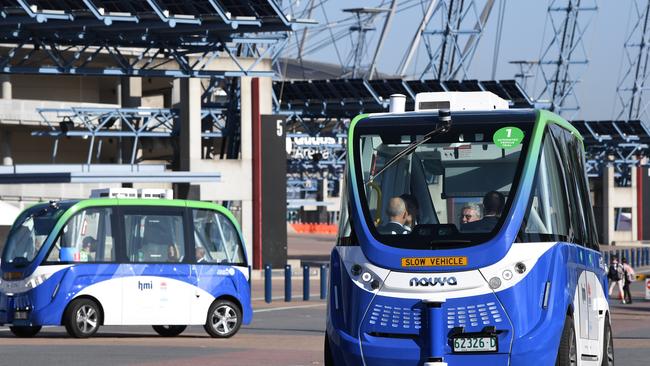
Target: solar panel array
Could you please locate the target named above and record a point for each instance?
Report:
(349, 97)
(602, 133)
(148, 38)
(196, 12)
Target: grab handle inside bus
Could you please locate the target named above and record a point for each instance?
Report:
(375, 187)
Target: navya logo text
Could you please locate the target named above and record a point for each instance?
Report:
(145, 285)
(433, 281)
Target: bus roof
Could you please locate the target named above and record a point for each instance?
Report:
(527, 114)
(74, 206)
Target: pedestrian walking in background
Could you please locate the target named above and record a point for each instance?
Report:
(616, 276)
(629, 277)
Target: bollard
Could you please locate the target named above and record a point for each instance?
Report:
(639, 257)
(287, 283)
(305, 283)
(323, 282)
(268, 284)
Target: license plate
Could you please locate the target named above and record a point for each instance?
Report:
(475, 344)
(20, 315)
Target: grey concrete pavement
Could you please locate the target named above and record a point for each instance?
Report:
(281, 335)
(631, 328)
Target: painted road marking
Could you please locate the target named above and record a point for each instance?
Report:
(287, 308)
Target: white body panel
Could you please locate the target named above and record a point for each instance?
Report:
(460, 101)
(590, 307)
(150, 300)
(469, 283)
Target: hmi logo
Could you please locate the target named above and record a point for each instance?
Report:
(145, 285)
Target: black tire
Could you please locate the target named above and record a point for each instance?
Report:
(82, 318)
(608, 345)
(224, 319)
(24, 331)
(567, 354)
(329, 360)
(169, 330)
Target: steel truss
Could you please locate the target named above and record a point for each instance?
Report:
(569, 21)
(633, 83)
(132, 124)
(449, 31)
(153, 38)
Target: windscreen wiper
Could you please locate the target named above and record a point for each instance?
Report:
(444, 117)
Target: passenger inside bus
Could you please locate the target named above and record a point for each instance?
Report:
(470, 212)
(398, 216)
(200, 255)
(412, 210)
(493, 203)
(172, 254)
(88, 249)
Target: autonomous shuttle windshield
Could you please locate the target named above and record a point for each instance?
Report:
(453, 189)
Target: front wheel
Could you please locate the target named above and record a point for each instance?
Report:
(24, 331)
(82, 318)
(224, 319)
(169, 330)
(608, 345)
(568, 352)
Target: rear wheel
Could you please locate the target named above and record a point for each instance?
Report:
(568, 352)
(24, 331)
(82, 318)
(608, 345)
(224, 319)
(169, 330)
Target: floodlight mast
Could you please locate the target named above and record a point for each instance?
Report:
(450, 45)
(558, 60)
(632, 85)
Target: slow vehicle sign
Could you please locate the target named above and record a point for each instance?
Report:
(434, 261)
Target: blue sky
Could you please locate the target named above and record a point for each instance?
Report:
(523, 34)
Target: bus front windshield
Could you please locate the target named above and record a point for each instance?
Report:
(452, 190)
(30, 231)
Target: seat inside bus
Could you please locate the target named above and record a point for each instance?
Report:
(158, 236)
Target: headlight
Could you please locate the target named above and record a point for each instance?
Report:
(37, 280)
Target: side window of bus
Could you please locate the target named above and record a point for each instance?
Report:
(86, 237)
(154, 238)
(588, 220)
(216, 239)
(573, 174)
(547, 216)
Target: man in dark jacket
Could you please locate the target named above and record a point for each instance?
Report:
(493, 203)
(398, 216)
